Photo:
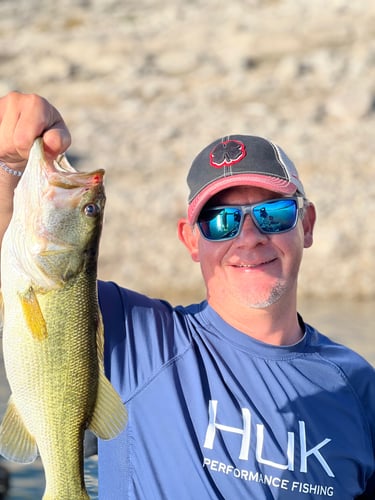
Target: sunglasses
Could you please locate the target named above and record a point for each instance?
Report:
(270, 217)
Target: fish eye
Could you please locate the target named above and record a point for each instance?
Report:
(91, 210)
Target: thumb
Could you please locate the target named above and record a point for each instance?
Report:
(56, 140)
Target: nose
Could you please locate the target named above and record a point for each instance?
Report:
(249, 232)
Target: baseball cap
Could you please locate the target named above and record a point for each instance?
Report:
(239, 160)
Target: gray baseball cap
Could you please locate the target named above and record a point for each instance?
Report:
(240, 160)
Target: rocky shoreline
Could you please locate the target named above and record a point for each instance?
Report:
(145, 85)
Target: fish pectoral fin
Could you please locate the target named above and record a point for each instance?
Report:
(33, 314)
(16, 443)
(110, 415)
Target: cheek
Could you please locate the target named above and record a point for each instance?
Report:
(297, 236)
(294, 247)
(291, 244)
(209, 254)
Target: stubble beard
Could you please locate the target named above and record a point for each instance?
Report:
(274, 296)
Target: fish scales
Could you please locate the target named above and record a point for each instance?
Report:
(59, 370)
(53, 332)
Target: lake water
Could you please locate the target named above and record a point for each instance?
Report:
(349, 323)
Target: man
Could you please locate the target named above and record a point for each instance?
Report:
(235, 397)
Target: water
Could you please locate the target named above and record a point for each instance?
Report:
(347, 322)
(350, 323)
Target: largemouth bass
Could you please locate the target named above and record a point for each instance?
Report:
(52, 327)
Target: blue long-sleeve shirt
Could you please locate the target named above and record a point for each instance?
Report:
(215, 414)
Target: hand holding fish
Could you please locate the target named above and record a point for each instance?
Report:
(23, 118)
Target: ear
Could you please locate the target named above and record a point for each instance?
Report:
(308, 223)
(189, 236)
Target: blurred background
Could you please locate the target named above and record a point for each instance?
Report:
(144, 85)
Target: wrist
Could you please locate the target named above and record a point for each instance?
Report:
(10, 171)
(8, 183)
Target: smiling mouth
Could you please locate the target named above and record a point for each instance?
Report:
(254, 266)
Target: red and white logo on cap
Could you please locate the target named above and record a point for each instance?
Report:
(227, 153)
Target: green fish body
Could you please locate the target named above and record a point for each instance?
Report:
(52, 326)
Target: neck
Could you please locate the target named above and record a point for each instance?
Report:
(275, 324)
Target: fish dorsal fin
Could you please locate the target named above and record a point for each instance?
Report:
(16, 443)
(33, 314)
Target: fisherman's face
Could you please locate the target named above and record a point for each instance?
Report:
(253, 270)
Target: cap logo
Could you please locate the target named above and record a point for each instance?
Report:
(227, 153)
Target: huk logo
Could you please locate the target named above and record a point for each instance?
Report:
(257, 442)
(227, 153)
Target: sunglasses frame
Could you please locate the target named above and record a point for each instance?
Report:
(248, 210)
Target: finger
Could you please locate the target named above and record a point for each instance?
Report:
(40, 118)
(23, 118)
(56, 140)
(21, 122)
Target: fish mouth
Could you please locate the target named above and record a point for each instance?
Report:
(62, 174)
(64, 186)
(58, 173)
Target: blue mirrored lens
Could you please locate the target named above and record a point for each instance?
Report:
(275, 216)
(270, 217)
(220, 223)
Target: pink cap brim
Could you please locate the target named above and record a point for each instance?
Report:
(257, 180)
